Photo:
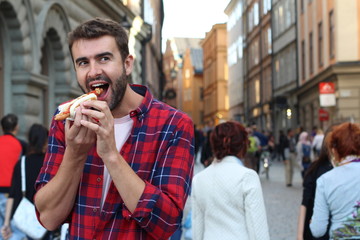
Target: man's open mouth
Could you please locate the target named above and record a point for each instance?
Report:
(103, 85)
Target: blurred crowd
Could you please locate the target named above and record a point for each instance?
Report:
(326, 160)
(12, 149)
(226, 200)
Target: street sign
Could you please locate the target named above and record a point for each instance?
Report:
(327, 94)
(327, 88)
(323, 115)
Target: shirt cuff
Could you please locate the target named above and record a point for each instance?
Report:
(145, 205)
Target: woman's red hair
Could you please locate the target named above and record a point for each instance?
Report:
(229, 138)
(345, 139)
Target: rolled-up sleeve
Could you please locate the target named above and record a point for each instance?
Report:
(159, 210)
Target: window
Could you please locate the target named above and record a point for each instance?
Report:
(234, 16)
(256, 14)
(320, 44)
(266, 6)
(311, 62)
(331, 34)
(269, 50)
(257, 91)
(240, 47)
(232, 54)
(253, 17)
(266, 50)
(254, 53)
(148, 12)
(303, 59)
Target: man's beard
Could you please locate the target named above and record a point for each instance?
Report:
(118, 91)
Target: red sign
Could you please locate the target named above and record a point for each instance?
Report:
(326, 88)
(323, 115)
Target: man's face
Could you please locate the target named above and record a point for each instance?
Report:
(98, 63)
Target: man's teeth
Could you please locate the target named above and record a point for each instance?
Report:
(98, 85)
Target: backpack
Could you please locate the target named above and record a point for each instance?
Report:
(306, 150)
(253, 145)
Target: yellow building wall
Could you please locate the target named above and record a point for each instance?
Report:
(216, 99)
(346, 30)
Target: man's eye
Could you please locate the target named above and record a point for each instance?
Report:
(104, 59)
(82, 63)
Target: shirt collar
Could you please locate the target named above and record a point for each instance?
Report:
(145, 105)
(231, 159)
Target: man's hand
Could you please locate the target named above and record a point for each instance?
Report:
(100, 120)
(79, 139)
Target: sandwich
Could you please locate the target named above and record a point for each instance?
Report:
(67, 110)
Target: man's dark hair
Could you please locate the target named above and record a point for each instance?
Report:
(9, 122)
(99, 27)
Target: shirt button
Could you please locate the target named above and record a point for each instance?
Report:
(132, 113)
(94, 209)
(98, 179)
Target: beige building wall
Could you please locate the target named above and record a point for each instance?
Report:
(347, 37)
(338, 64)
(216, 100)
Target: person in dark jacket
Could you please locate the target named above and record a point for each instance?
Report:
(33, 162)
(315, 170)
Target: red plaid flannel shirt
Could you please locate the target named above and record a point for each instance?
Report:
(160, 150)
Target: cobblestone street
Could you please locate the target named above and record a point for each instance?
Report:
(282, 203)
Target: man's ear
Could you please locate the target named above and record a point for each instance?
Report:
(129, 63)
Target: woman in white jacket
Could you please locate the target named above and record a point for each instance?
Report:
(227, 200)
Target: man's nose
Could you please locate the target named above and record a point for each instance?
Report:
(94, 70)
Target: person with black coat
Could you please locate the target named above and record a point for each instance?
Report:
(33, 162)
(315, 170)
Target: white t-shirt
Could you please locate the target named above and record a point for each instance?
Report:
(122, 128)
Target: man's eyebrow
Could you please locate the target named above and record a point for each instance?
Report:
(96, 56)
(104, 54)
(80, 59)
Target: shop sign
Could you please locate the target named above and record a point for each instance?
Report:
(327, 94)
(323, 115)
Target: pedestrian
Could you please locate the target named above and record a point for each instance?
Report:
(206, 151)
(251, 159)
(283, 143)
(227, 201)
(303, 152)
(337, 197)
(37, 139)
(289, 144)
(122, 168)
(320, 166)
(317, 142)
(11, 149)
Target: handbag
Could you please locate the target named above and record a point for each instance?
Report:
(25, 216)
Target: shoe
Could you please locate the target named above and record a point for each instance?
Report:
(289, 185)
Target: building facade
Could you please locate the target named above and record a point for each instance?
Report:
(235, 32)
(284, 67)
(173, 59)
(329, 52)
(258, 68)
(36, 70)
(216, 98)
(192, 85)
